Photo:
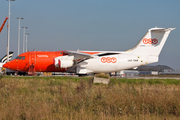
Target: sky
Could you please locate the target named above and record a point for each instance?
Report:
(110, 25)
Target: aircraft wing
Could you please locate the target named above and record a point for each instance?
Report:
(78, 55)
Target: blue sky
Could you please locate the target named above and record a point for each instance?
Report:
(115, 25)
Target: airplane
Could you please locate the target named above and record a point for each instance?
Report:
(3, 60)
(84, 62)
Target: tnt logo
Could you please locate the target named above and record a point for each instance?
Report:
(150, 41)
(108, 60)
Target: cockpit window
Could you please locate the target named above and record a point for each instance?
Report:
(20, 57)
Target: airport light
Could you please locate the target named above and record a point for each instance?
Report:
(8, 26)
(19, 34)
(26, 41)
(24, 37)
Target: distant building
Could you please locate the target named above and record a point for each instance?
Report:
(148, 72)
(171, 71)
(154, 72)
(126, 73)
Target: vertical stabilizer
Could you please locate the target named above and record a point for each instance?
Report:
(4, 59)
(152, 42)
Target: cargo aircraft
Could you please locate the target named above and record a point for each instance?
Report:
(83, 62)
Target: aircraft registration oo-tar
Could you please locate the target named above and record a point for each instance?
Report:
(83, 62)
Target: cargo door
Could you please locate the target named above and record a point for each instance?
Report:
(32, 59)
(32, 62)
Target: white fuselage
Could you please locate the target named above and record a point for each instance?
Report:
(111, 63)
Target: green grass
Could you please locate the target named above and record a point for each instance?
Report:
(146, 81)
(78, 98)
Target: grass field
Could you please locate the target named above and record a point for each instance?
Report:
(51, 98)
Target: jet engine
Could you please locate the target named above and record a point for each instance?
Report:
(63, 61)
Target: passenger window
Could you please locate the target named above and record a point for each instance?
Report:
(23, 57)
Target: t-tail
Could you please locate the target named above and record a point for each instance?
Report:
(150, 46)
(4, 59)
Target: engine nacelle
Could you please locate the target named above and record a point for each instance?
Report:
(63, 61)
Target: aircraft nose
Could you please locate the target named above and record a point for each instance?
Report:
(6, 65)
(10, 65)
